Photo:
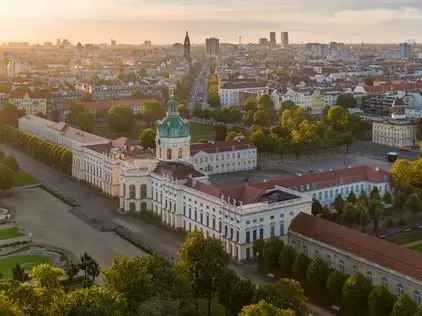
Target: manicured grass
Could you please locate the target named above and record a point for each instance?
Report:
(407, 237)
(199, 132)
(8, 233)
(417, 247)
(23, 178)
(27, 262)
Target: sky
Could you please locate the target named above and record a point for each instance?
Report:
(165, 21)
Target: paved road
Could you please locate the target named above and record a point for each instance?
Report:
(96, 208)
(49, 221)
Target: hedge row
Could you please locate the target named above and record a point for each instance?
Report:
(51, 154)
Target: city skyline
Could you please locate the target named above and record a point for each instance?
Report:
(133, 21)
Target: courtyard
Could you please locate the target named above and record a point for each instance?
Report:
(49, 221)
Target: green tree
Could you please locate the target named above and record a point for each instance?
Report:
(205, 260)
(374, 194)
(264, 309)
(12, 163)
(250, 104)
(380, 301)
(355, 295)
(335, 282)
(10, 114)
(234, 293)
(153, 111)
(316, 275)
(19, 273)
(286, 260)
(147, 138)
(404, 306)
(418, 311)
(90, 269)
(339, 204)
(129, 278)
(413, 204)
(284, 294)
(265, 103)
(300, 266)
(346, 100)
(387, 198)
(121, 119)
(262, 118)
(316, 207)
(351, 198)
(7, 177)
(8, 307)
(92, 301)
(271, 253)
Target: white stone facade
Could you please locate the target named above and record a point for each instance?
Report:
(182, 207)
(394, 133)
(243, 159)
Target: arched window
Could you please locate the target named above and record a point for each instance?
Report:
(132, 207)
(168, 154)
(132, 191)
(143, 191)
(180, 153)
(143, 207)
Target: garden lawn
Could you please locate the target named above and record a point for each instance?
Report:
(23, 178)
(8, 233)
(202, 132)
(27, 262)
(406, 237)
(417, 247)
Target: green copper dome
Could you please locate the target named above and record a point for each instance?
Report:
(173, 126)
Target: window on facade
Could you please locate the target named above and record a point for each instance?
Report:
(384, 282)
(341, 266)
(400, 289)
(248, 236)
(180, 153)
(305, 250)
(272, 230)
(369, 276)
(143, 191)
(132, 192)
(132, 207)
(254, 235)
(143, 207)
(237, 235)
(219, 226)
(281, 228)
(261, 233)
(168, 154)
(213, 223)
(417, 297)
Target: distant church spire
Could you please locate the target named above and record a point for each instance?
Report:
(187, 48)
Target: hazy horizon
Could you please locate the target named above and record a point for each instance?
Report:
(133, 21)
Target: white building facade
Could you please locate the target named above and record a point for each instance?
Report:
(395, 133)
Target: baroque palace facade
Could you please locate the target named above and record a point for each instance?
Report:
(174, 182)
